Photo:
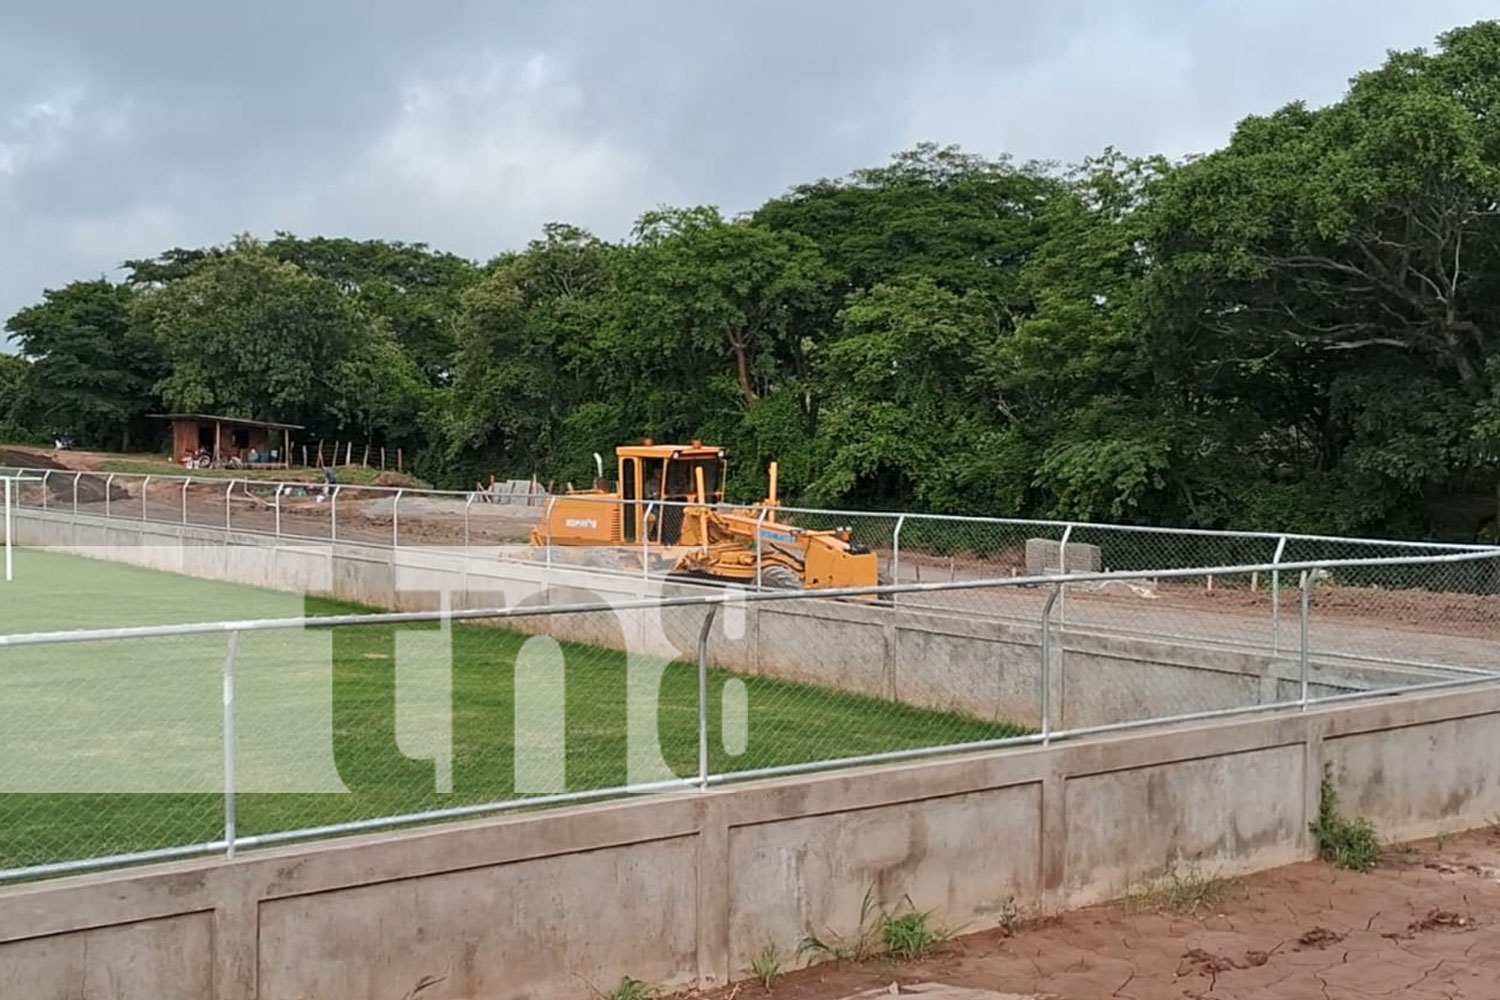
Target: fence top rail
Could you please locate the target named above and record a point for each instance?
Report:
(408, 492)
(719, 596)
(203, 476)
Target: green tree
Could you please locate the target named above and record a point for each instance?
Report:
(1338, 271)
(247, 335)
(527, 363)
(415, 289)
(1112, 435)
(16, 423)
(899, 385)
(722, 293)
(90, 373)
(962, 221)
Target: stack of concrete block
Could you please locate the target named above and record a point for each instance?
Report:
(1045, 557)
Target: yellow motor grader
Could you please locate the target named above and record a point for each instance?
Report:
(667, 507)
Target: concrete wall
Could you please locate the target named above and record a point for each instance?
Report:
(958, 661)
(684, 889)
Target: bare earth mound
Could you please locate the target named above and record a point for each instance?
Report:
(90, 487)
(23, 459)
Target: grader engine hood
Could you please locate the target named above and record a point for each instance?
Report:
(825, 559)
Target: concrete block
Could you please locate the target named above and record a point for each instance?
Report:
(166, 959)
(1411, 781)
(1229, 813)
(963, 855)
(525, 929)
(999, 681)
(1099, 689)
(1044, 557)
(819, 646)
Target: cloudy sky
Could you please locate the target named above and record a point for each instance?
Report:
(127, 128)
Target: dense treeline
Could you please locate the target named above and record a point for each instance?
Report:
(1297, 331)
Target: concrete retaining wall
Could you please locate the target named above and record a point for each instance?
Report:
(684, 889)
(957, 661)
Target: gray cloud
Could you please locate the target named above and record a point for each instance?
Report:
(126, 129)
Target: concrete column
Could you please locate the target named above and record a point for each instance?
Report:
(1054, 840)
(236, 936)
(714, 881)
(1312, 784)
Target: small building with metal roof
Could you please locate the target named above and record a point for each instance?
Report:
(264, 443)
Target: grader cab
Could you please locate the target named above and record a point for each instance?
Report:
(667, 505)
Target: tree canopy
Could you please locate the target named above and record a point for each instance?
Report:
(1299, 330)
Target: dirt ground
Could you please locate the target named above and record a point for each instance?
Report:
(1425, 924)
(1473, 615)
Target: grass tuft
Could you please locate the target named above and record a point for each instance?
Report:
(864, 944)
(1180, 891)
(1351, 844)
(905, 934)
(911, 934)
(766, 965)
(628, 989)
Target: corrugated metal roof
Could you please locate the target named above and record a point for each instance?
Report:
(227, 420)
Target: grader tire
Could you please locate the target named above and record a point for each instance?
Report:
(779, 578)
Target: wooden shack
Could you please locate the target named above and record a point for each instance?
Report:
(256, 443)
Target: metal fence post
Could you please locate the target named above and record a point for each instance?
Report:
(76, 476)
(760, 564)
(108, 484)
(1046, 675)
(467, 504)
(333, 514)
(10, 567)
(896, 557)
(185, 481)
(1307, 585)
(279, 488)
(547, 521)
(145, 486)
(1062, 571)
(646, 544)
(45, 475)
(1276, 597)
(229, 804)
(703, 633)
(227, 522)
(396, 520)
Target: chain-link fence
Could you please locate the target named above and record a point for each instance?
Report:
(1248, 610)
(123, 743)
(912, 547)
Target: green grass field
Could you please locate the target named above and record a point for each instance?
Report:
(317, 710)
